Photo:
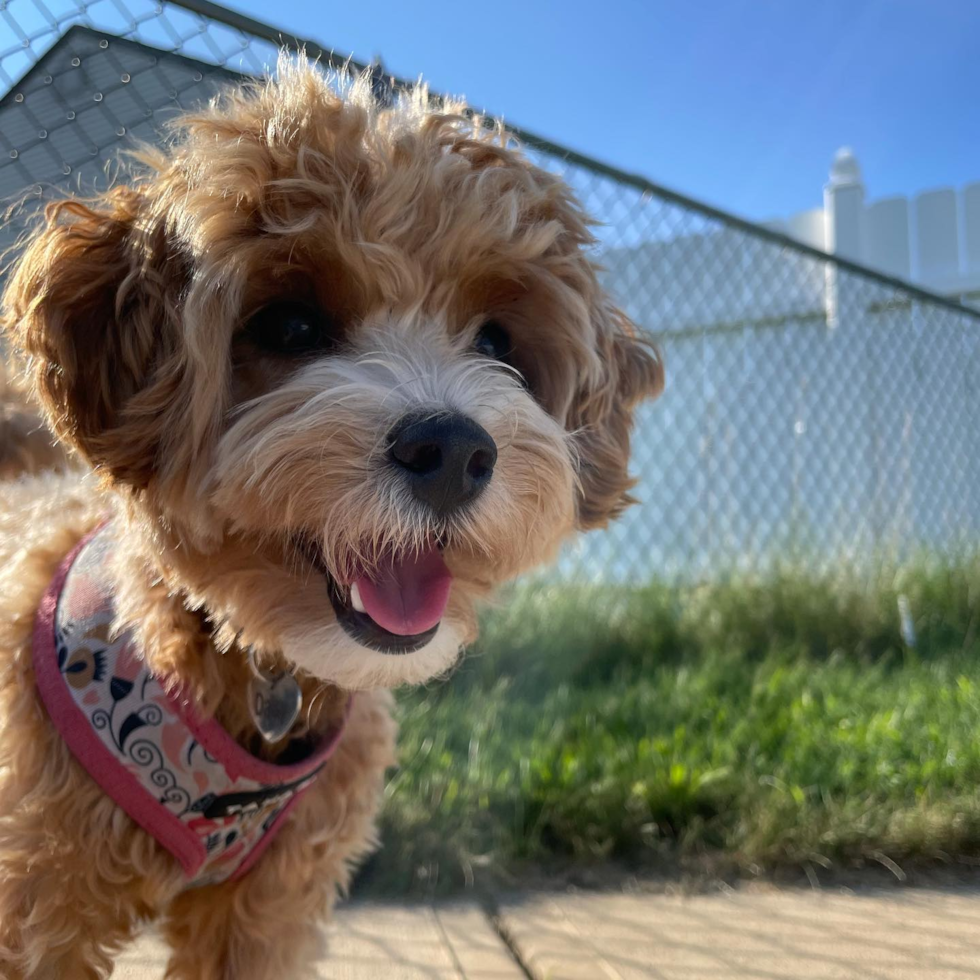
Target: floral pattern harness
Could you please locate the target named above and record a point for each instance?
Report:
(184, 780)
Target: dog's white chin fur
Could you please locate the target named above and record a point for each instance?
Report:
(329, 653)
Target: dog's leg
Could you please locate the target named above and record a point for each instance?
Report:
(59, 923)
(260, 928)
(77, 876)
(268, 925)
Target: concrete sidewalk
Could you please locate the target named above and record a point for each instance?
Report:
(908, 934)
(384, 942)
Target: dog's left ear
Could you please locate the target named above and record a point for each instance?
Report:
(602, 416)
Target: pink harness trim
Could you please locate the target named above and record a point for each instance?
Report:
(208, 801)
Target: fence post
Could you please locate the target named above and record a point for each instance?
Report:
(844, 208)
(844, 205)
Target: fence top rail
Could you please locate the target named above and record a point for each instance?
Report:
(256, 28)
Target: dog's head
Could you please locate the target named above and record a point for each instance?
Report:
(356, 360)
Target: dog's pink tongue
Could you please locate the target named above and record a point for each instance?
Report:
(407, 595)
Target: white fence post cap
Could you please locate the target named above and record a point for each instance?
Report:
(845, 169)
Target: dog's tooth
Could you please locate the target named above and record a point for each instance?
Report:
(355, 599)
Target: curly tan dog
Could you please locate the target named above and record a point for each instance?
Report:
(337, 371)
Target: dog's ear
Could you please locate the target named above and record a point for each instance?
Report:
(631, 370)
(88, 304)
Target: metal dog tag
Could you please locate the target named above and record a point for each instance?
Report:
(274, 702)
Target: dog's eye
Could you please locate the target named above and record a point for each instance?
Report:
(494, 341)
(290, 328)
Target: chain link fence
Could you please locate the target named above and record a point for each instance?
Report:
(815, 412)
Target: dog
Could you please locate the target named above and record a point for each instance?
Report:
(332, 372)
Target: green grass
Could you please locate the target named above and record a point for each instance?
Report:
(748, 725)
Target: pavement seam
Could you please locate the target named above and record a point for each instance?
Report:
(491, 910)
(458, 966)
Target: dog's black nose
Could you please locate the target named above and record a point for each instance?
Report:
(448, 459)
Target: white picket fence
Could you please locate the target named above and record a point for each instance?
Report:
(932, 239)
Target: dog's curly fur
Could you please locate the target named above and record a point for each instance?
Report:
(26, 444)
(410, 228)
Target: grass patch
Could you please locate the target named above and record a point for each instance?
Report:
(756, 724)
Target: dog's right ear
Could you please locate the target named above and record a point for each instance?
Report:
(87, 303)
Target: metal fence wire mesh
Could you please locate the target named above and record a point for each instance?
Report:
(815, 412)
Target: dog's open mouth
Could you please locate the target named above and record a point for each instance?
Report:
(397, 607)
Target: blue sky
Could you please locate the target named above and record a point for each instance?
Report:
(740, 103)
